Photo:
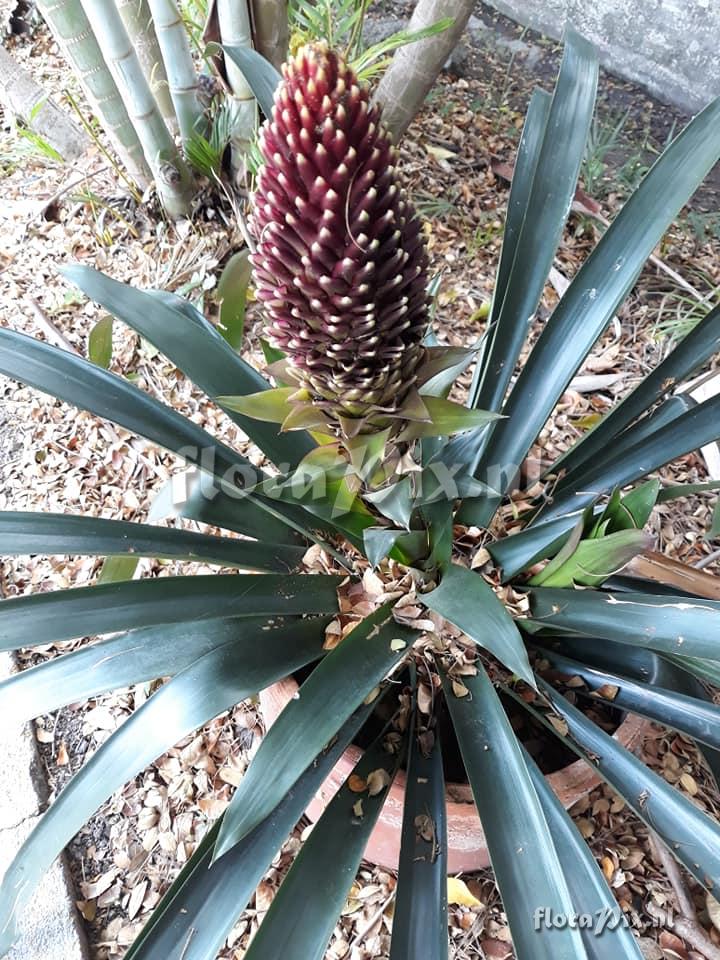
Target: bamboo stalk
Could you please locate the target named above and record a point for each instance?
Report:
(235, 31)
(172, 177)
(71, 29)
(141, 31)
(414, 68)
(179, 66)
(27, 100)
(271, 29)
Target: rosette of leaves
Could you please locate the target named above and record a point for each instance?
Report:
(553, 601)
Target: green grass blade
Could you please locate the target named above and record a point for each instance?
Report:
(466, 600)
(85, 611)
(56, 533)
(522, 852)
(303, 914)
(193, 344)
(202, 691)
(326, 699)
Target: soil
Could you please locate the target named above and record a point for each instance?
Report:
(53, 459)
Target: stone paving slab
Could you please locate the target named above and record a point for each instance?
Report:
(49, 927)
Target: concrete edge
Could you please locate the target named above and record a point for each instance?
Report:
(49, 927)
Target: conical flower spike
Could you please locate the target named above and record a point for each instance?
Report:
(340, 265)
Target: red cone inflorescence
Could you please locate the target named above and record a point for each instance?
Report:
(340, 265)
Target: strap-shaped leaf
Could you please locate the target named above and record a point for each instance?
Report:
(645, 667)
(193, 344)
(86, 611)
(599, 288)
(696, 718)
(521, 550)
(466, 600)
(202, 499)
(692, 836)
(57, 533)
(202, 691)
(701, 343)
(683, 434)
(261, 75)
(594, 560)
(133, 657)
(528, 155)
(522, 852)
(547, 206)
(303, 914)
(420, 920)
(326, 699)
(197, 913)
(588, 887)
(682, 625)
(643, 429)
(77, 381)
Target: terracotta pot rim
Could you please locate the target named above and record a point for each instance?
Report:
(466, 843)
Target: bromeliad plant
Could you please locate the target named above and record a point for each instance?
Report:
(340, 271)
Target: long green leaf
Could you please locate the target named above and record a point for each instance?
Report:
(678, 625)
(133, 657)
(85, 611)
(466, 600)
(522, 852)
(588, 887)
(77, 381)
(526, 162)
(214, 683)
(326, 699)
(84, 384)
(203, 500)
(261, 75)
(303, 914)
(692, 836)
(57, 533)
(193, 344)
(597, 291)
(197, 913)
(420, 920)
(696, 718)
(646, 667)
(691, 353)
(688, 432)
(521, 550)
(553, 185)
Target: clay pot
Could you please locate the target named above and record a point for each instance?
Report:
(467, 850)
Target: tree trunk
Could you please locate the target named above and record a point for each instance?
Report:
(172, 177)
(71, 29)
(234, 24)
(139, 25)
(179, 66)
(271, 29)
(415, 67)
(27, 100)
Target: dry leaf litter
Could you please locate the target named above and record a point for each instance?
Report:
(53, 458)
